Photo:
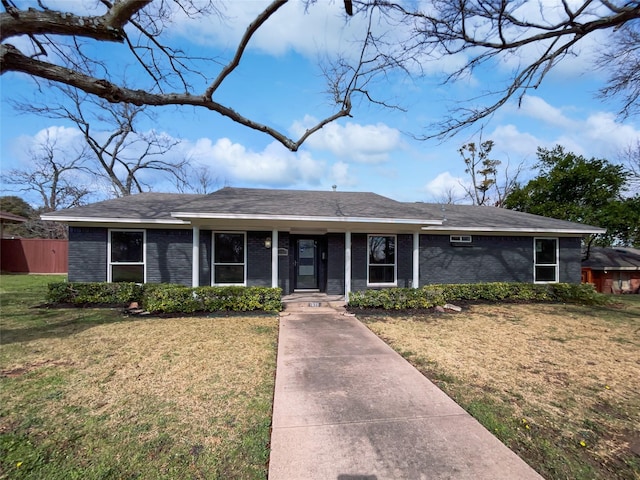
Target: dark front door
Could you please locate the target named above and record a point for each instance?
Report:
(306, 264)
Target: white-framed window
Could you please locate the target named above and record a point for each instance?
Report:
(126, 256)
(229, 258)
(545, 260)
(460, 238)
(381, 259)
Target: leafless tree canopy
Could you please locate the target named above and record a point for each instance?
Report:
(62, 42)
(402, 36)
(539, 34)
(51, 176)
(125, 156)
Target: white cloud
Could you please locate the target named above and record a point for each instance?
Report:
(444, 187)
(340, 176)
(361, 143)
(274, 166)
(511, 141)
(536, 107)
(309, 31)
(592, 134)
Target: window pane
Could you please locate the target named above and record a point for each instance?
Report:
(546, 250)
(126, 246)
(229, 248)
(229, 274)
(378, 274)
(545, 274)
(127, 273)
(382, 250)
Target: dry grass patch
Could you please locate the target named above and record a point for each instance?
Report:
(557, 383)
(136, 398)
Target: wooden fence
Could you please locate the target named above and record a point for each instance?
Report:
(33, 255)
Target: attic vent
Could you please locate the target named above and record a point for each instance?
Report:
(460, 238)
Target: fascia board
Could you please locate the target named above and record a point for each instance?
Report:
(155, 221)
(494, 230)
(301, 218)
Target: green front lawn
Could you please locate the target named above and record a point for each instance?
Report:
(93, 394)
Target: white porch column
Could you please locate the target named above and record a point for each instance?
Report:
(195, 261)
(274, 258)
(416, 260)
(347, 265)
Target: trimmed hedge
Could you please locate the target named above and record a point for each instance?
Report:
(179, 299)
(97, 293)
(167, 298)
(434, 295)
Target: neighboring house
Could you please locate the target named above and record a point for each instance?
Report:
(6, 217)
(613, 270)
(327, 241)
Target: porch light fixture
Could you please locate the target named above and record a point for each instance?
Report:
(267, 242)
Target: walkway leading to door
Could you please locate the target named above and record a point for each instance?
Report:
(347, 407)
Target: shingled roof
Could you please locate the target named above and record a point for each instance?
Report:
(308, 205)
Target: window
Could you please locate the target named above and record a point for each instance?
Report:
(228, 258)
(460, 238)
(545, 260)
(126, 256)
(382, 260)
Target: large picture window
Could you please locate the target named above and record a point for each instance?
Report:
(382, 260)
(546, 260)
(126, 256)
(229, 258)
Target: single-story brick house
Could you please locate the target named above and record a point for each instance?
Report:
(327, 241)
(613, 270)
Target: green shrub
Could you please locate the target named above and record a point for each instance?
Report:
(94, 293)
(180, 299)
(167, 298)
(433, 295)
(396, 298)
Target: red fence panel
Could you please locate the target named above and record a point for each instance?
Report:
(33, 255)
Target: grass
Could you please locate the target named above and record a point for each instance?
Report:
(92, 394)
(557, 383)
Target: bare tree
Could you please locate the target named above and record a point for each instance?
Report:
(538, 34)
(52, 175)
(198, 179)
(481, 169)
(140, 26)
(489, 183)
(630, 158)
(128, 158)
(479, 31)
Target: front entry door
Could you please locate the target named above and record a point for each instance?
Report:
(306, 264)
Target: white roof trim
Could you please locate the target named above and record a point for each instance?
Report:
(303, 218)
(575, 231)
(163, 221)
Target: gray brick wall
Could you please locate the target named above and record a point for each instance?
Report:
(404, 252)
(169, 256)
(258, 260)
(570, 260)
(358, 262)
(335, 264)
(486, 259)
(284, 265)
(205, 257)
(87, 254)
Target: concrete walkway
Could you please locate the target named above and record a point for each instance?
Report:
(347, 407)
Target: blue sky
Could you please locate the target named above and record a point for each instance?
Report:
(279, 83)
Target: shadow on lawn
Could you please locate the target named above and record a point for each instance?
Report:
(46, 322)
